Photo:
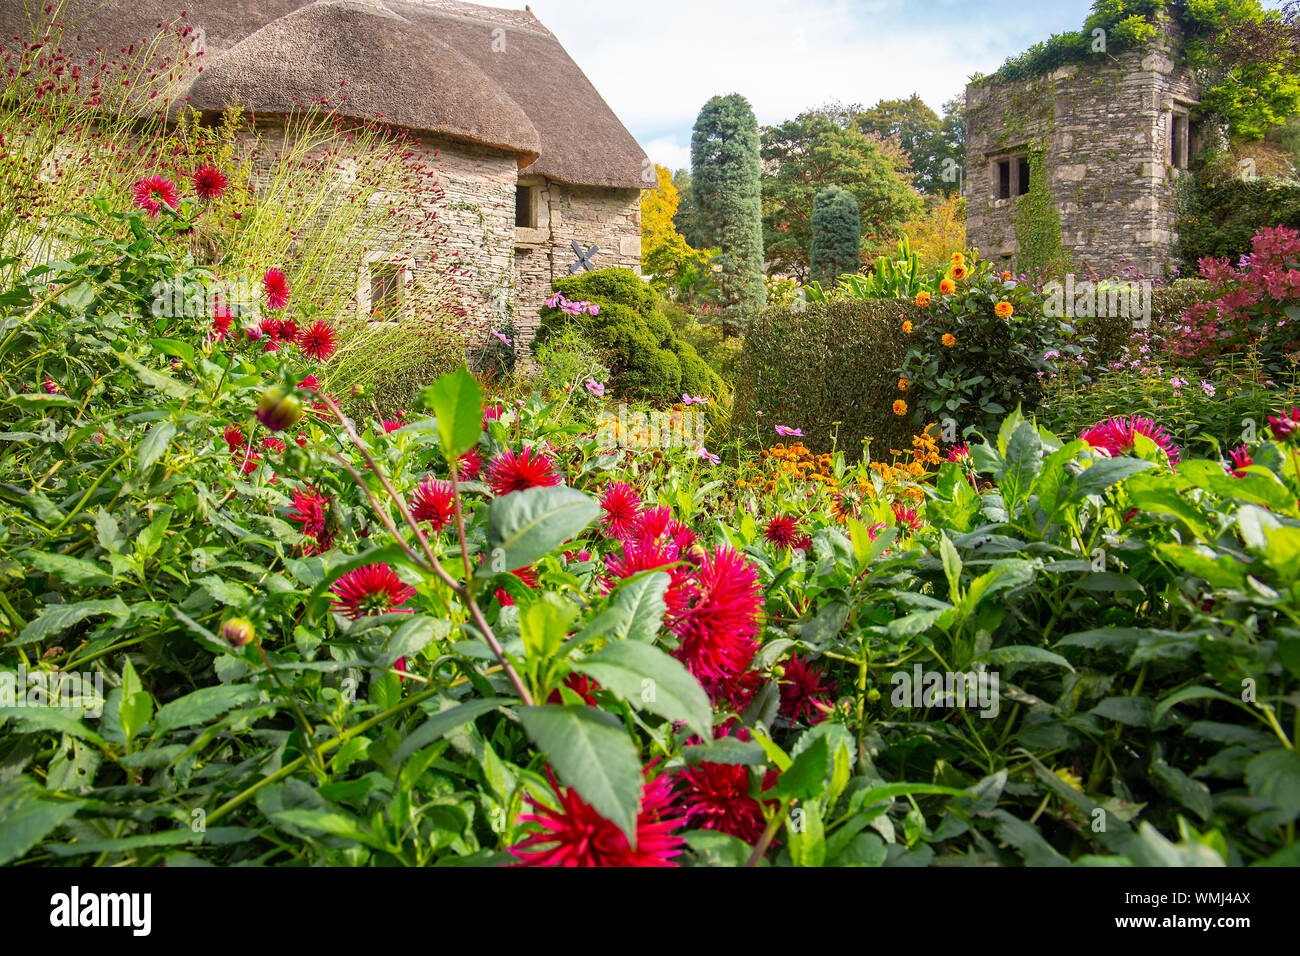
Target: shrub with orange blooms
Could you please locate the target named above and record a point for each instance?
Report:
(947, 287)
(949, 340)
(794, 463)
(923, 298)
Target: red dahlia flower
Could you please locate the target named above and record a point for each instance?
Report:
(209, 182)
(311, 513)
(574, 834)
(276, 287)
(470, 465)
(1241, 460)
(319, 341)
(782, 531)
(715, 796)
(515, 471)
(580, 684)
(718, 631)
(802, 691)
(373, 589)
(309, 384)
(620, 505)
(907, 518)
(655, 522)
(153, 192)
(959, 453)
(1117, 436)
(433, 502)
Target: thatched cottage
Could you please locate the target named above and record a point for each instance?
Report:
(531, 159)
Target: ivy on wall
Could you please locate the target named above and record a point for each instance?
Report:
(1038, 226)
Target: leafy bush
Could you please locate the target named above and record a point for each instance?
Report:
(567, 361)
(1220, 218)
(645, 359)
(390, 362)
(836, 234)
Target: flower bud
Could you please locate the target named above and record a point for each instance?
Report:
(873, 696)
(237, 631)
(278, 411)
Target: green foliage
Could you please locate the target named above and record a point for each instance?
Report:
(1218, 219)
(568, 360)
(1038, 225)
(836, 234)
(389, 362)
(708, 337)
(645, 359)
(819, 149)
(897, 277)
(827, 369)
(936, 147)
(728, 200)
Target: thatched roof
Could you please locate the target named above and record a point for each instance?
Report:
(479, 74)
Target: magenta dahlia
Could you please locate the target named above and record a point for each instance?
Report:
(1117, 436)
(718, 631)
(782, 531)
(433, 502)
(311, 513)
(276, 287)
(715, 796)
(373, 589)
(1241, 460)
(318, 341)
(574, 834)
(620, 506)
(154, 192)
(209, 182)
(803, 691)
(515, 471)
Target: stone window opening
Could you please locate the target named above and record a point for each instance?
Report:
(1012, 178)
(383, 291)
(1179, 135)
(526, 206)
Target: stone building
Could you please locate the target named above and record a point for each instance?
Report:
(531, 158)
(1114, 132)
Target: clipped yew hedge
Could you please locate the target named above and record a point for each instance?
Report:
(831, 362)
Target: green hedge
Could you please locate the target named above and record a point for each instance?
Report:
(1111, 333)
(832, 362)
(646, 359)
(1219, 219)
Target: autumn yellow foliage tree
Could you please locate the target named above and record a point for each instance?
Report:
(939, 231)
(665, 255)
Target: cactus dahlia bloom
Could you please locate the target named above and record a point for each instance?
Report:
(1241, 460)
(620, 506)
(209, 182)
(715, 796)
(433, 502)
(782, 531)
(515, 471)
(470, 465)
(1117, 436)
(311, 513)
(276, 287)
(572, 833)
(153, 192)
(718, 631)
(959, 453)
(373, 589)
(318, 341)
(803, 691)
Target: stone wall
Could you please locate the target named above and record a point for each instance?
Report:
(587, 215)
(1104, 126)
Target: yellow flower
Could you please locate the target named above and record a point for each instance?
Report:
(958, 259)
(949, 339)
(923, 299)
(947, 287)
(907, 327)
(1006, 276)
(1003, 310)
(900, 407)
(959, 272)
(903, 383)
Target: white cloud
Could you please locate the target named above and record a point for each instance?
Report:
(666, 151)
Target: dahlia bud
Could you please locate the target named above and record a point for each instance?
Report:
(695, 554)
(237, 631)
(873, 696)
(1285, 426)
(358, 391)
(278, 411)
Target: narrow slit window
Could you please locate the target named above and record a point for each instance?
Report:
(1004, 179)
(1022, 175)
(385, 291)
(1178, 141)
(525, 207)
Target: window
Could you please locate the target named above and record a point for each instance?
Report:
(385, 291)
(526, 207)
(1012, 177)
(1178, 140)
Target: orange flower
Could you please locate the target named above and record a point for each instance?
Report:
(958, 259)
(1003, 310)
(1006, 277)
(900, 407)
(959, 272)
(907, 327)
(903, 383)
(923, 299)
(949, 339)
(947, 287)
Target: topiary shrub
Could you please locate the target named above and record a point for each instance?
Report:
(646, 359)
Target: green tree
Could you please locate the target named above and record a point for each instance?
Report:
(725, 179)
(836, 234)
(686, 220)
(822, 148)
(935, 145)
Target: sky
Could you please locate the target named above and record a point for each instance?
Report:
(656, 62)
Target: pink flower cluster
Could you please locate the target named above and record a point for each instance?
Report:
(558, 301)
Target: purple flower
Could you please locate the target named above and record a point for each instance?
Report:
(1208, 389)
(693, 400)
(593, 308)
(595, 387)
(503, 339)
(783, 430)
(554, 300)
(707, 455)
(1177, 382)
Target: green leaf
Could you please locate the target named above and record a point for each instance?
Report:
(109, 534)
(1023, 654)
(1192, 794)
(1134, 711)
(136, 706)
(59, 618)
(806, 776)
(39, 402)
(951, 567)
(590, 751)
(1103, 474)
(441, 724)
(164, 383)
(334, 822)
(27, 818)
(544, 624)
(75, 571)
(58, 719)
(645, 676)
(528, 524)
(155, 443)
(1275, 776)
(202, 705)
(152, 537)
(1188, 693)
(638, 610)
(808, 837)
(457, 402)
